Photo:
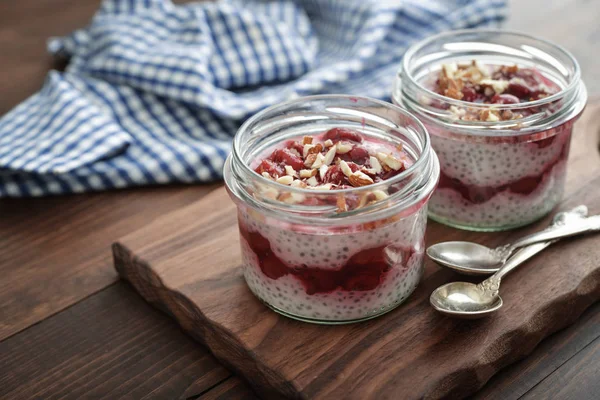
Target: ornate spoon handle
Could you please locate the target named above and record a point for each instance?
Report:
(564, 219)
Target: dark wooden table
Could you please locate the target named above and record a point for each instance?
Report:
(70, 329)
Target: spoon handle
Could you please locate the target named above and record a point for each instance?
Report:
(576, 227)
(492, 284)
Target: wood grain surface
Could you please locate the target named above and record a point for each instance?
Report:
(55, 252)
(137, 353)
(61, 276)
(188, 263)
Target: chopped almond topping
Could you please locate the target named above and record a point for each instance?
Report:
(449, 69)
(363, 200)
(488, 115)
(358, 179)
(380, 195)
(290, 171)
(322, 171)
(312, 181)
(307, 173)
(295, 152)
(326, 168)
(326, 186)
(291, 198)
(481, 83)
(390, 161)
(269, 192)
(343, 147)
(310, 160)
(315, 149)
(330, 155)
(320, 160)
(341, 204)
(345, 168)
(285, 180)
(498, 86)
(298, 183)
(375, 165)
(306, 149)
(453, 93)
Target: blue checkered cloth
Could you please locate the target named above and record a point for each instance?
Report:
(154, 92)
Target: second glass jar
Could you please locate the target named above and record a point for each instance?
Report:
(496, 173)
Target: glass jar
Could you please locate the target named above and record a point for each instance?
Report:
(303, 256)
(496, 173)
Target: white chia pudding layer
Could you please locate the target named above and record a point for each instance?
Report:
(496, 164)
(504, 209)
(330, 251)
(537, 167)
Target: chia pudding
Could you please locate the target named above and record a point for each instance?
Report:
(349, 245)
(497, 182)
(501, 130)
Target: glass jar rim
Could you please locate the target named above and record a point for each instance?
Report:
(420, 178)
(236, 148)
(410, 53)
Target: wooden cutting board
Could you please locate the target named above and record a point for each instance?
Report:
(188, 264)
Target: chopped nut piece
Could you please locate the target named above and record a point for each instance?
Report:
(306, 149)
(294, 152)
(341, 204)
(507, 115)
(266, 175)
(449, 69)
(453, 93)
(269, 192)
(285, 180)
(309, 161)
(459, 112)
(326, 186)
(363, 200)
(489, 116)
(375, 165)
(343, 147)
(312, 181)
(330, 155)
(370, 197)
(510, 70)
(291, 198)
(298, 183)
(345, 168)
(307, 140)
(328, 143)
(290, 171)
(307, 173)
(320, 160)
(380, 195)
(358, 179)
(390, 161)
(315, 149)
(498, 86)
(481, 67)
(322, 171)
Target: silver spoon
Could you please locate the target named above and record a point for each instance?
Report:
(478, 259)
(560, 218)
(471, 301)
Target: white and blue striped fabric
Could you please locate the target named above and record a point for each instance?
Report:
(154, 91)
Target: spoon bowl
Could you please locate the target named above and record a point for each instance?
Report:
(464, 300)
(470, 258)
(466, 257)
